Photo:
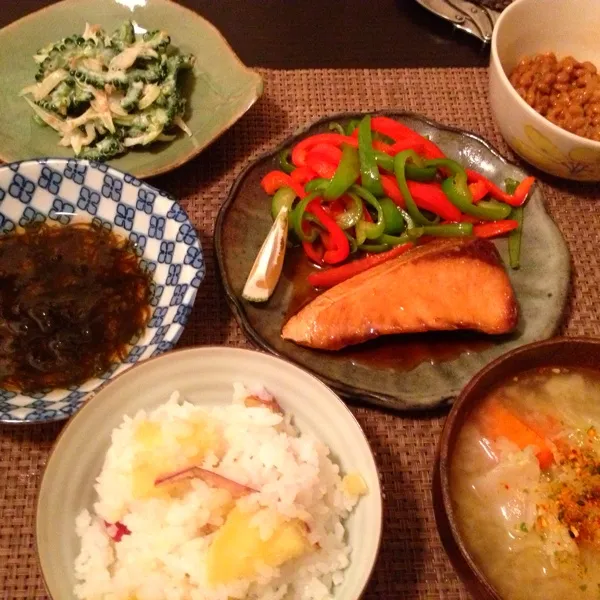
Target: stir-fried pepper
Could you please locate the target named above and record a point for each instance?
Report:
(374, 185)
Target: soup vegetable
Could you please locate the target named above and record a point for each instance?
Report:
(525, 486)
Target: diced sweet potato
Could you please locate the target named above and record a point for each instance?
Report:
(238, 551)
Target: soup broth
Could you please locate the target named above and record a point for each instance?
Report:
(525, 486)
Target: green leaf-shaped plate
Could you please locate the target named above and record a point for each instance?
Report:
(399, 372)
(219, 90)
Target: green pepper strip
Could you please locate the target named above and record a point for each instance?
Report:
(317, 185)
(385, 161)
(337, 128)
(298, 215)
(351, 126)
(400, 171)
(369, 173)
(511, 185)
(422, 174)
(410, 224)
(284, 161)
(393, 240)
(374, 248)
(463, 200)
(352, 215)
(514, 238)
(447, 230)
(352, 242)
(392, 216)
(457, 190)
(284, 196)
(370, 231)
(413, 172)
(345, 175)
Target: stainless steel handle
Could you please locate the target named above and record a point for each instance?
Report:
(476, 20)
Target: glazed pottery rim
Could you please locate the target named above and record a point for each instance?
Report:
(191, 349)
(443, 460)
(382, 400)
(531, 112)
(257, 89)
(181, 326)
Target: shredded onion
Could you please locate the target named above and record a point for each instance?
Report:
(181, 124)
(42, 89)
(151, 93)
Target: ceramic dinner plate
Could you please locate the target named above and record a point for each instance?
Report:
(400, 372)
(204, 376)
(219, 90)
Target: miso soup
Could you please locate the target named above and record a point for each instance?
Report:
(525, 485)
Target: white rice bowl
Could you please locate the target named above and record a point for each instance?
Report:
(164, 555)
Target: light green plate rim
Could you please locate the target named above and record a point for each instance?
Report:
(220, 91)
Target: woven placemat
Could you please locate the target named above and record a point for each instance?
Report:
(412, 563)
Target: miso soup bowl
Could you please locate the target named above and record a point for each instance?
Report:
(558, 352)
(525, 28)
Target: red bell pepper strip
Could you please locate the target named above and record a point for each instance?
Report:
(377, 144)
(478, 189)
(324, 159)
(499, 194)
(391, 189)
(413, 142)
(331, 277)
(408, 144)
(274, 180)
(302, 175)
(327, 152)
(382, 147)
(523, 190)
(494, 228)
(427, 196)
(301, 148)
(313, 251)
(466, 219)
(327, 241)
(494, 191)
(397, 131)
(322, 167)
(339, 247)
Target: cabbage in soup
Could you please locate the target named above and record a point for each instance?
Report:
(525, 486)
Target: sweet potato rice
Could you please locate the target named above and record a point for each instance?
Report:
(215, 504)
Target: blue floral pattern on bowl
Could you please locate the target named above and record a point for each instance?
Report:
(69, 191)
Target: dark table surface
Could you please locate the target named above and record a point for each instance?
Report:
(296, 34)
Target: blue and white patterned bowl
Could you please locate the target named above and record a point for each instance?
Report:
(72, 190)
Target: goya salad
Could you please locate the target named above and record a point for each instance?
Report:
(106, 93)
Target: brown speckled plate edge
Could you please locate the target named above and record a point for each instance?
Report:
(400, 401)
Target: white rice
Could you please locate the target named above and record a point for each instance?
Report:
(164, 556)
